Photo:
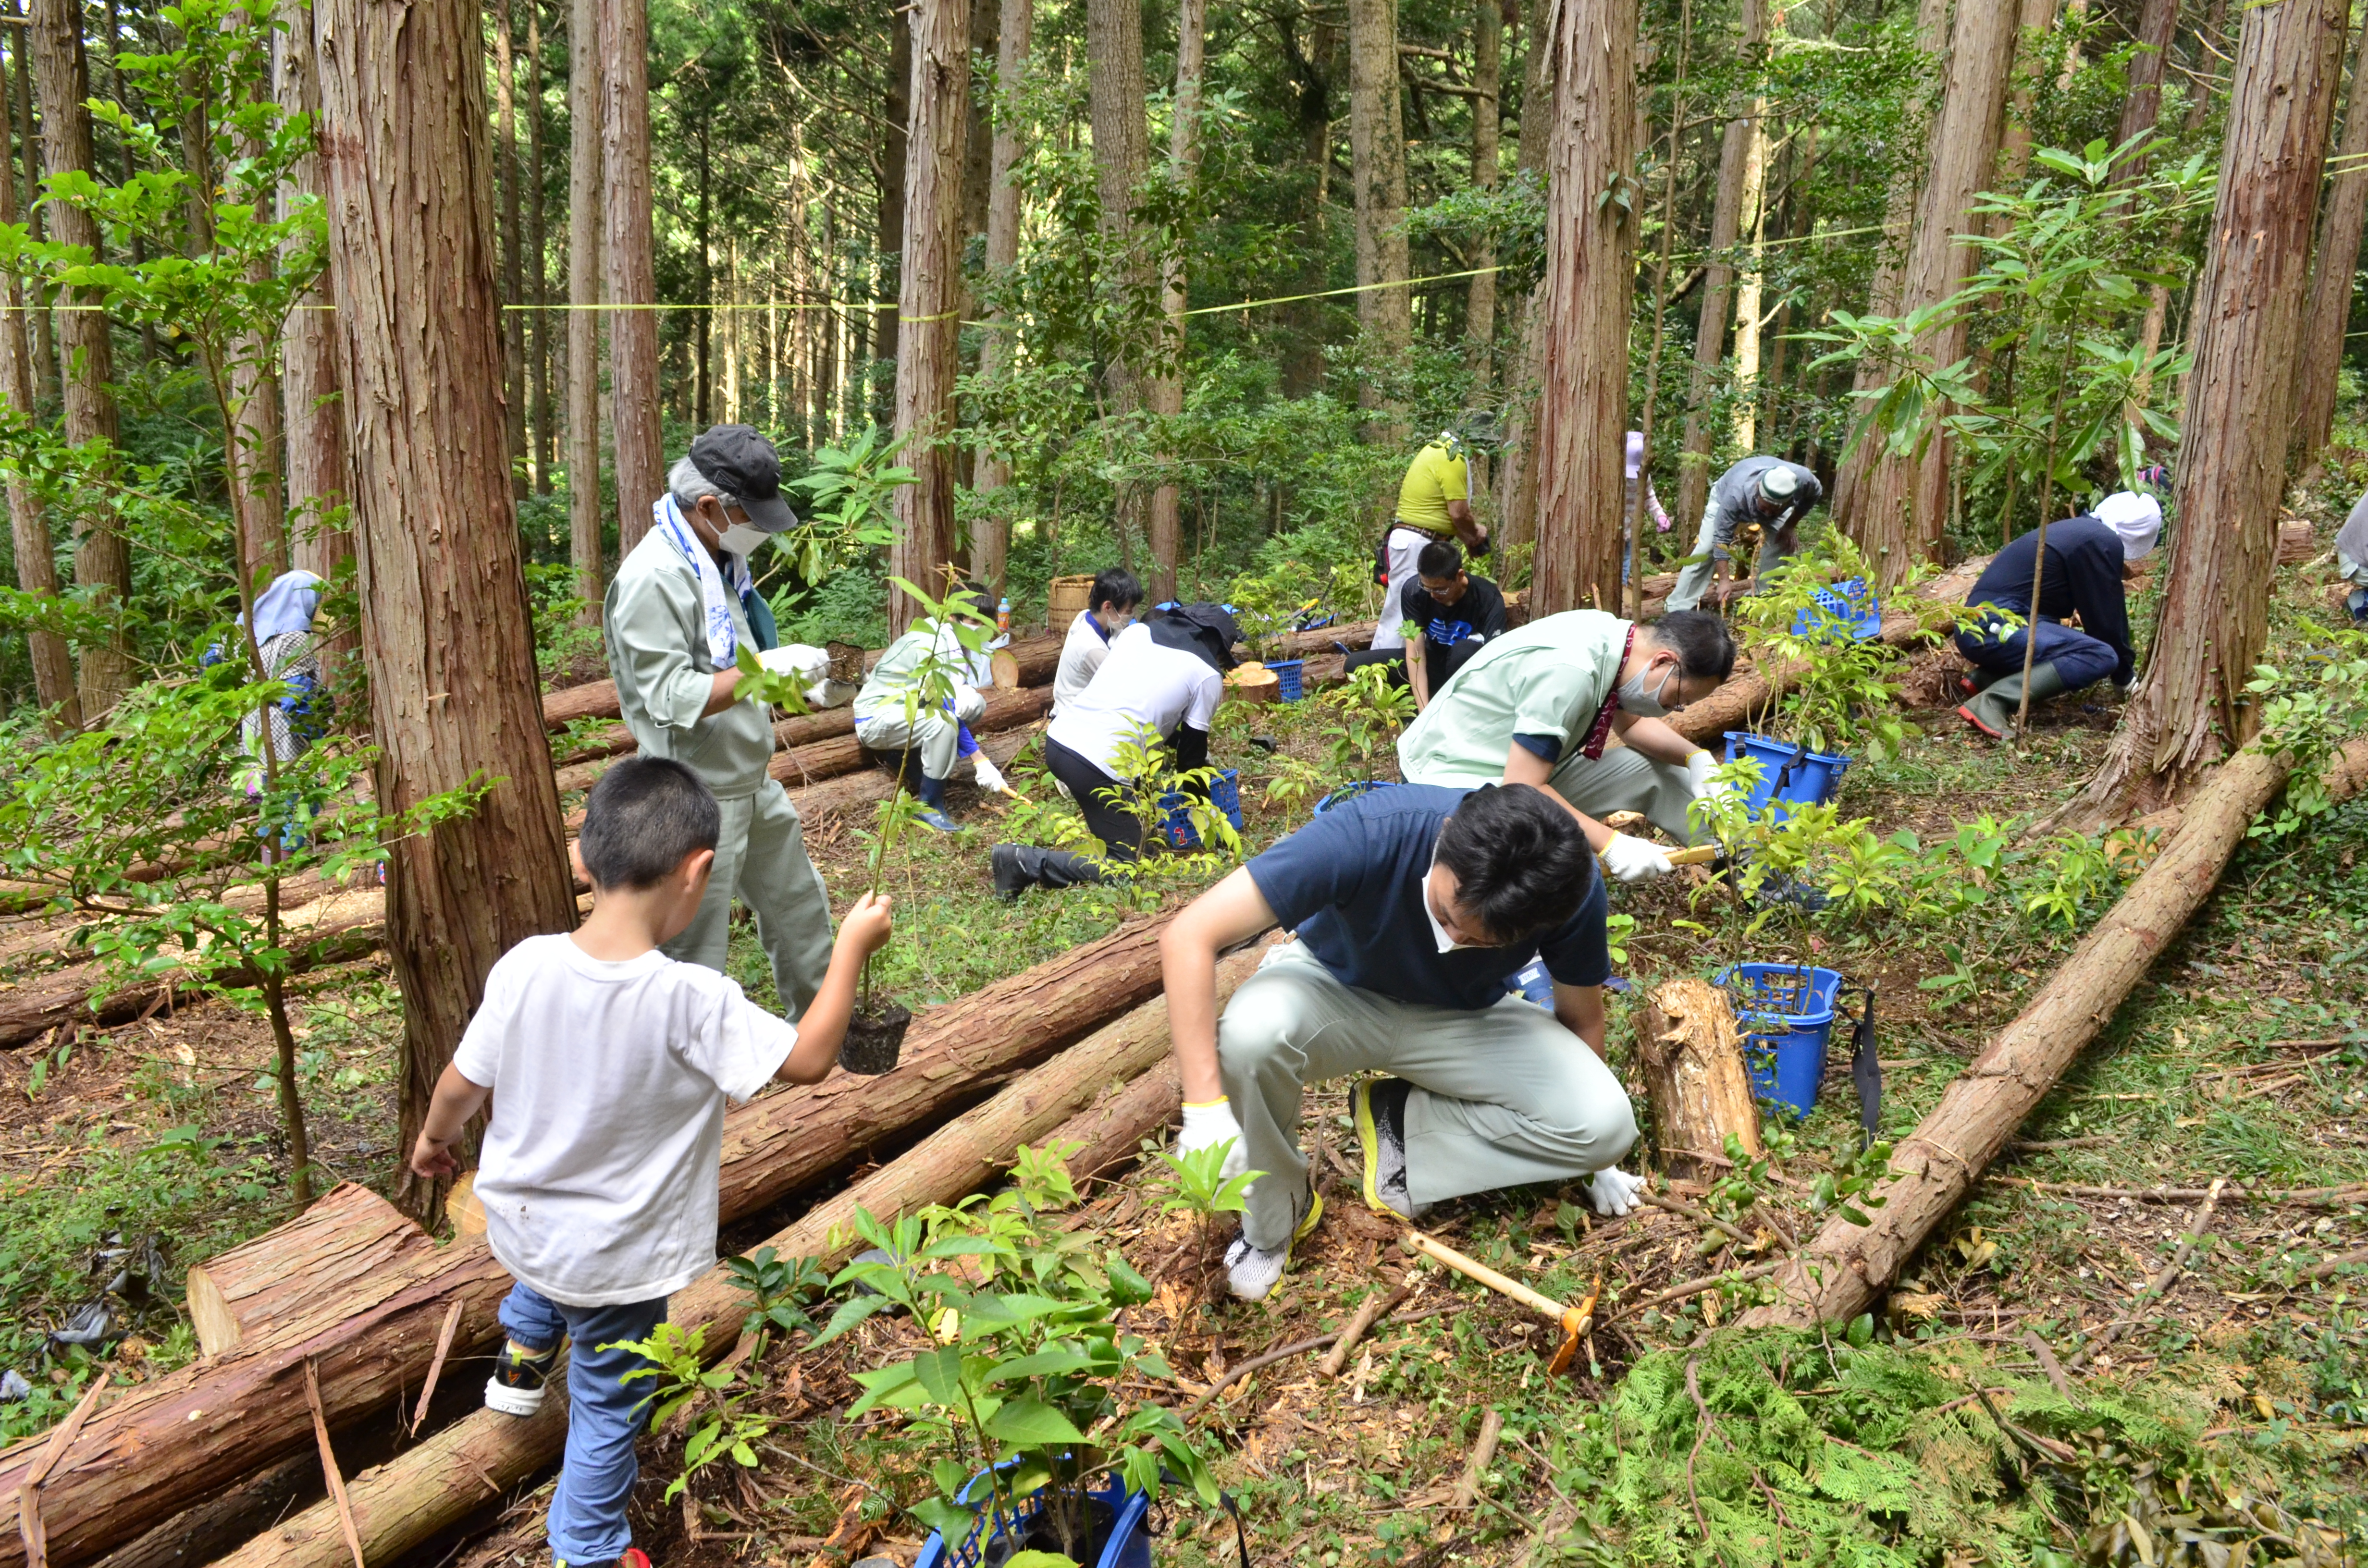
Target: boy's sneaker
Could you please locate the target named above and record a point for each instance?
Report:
(635, 1558)
(1380, 1104)
(1251, 1273)
(515, 1388)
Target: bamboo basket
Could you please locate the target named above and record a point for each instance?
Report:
(1066, 599)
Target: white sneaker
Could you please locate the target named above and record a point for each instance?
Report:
(1252, 1273)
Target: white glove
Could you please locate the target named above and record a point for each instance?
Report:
(1631, 860)
(796, 659)
(1205, 1126)
(1613, 1191)
(989, 776)
(1698, 769)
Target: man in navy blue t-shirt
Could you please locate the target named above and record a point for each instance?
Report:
(1411, 906)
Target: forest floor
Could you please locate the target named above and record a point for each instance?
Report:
(1946, 1430)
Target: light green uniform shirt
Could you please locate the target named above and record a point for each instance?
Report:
(656, 622)
(899, 668)
(1550, 677)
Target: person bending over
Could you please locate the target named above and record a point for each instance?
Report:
(1434, 506)
(1766, 493)
(1449, 616)
(1410, 906)
(2088, 557)
(1540, 705)
(890, 714)
(1111, 607)
(1164, 678)
(608, 1065)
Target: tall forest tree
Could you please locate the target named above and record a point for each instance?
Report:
(586, 276)
(102, 557)
(1489, 21)
(314, 431)
(2191, 707)
(2142, 110)
(930, 299)
(2336, 262)
(1901, 501)
(448, 642)
(1737, 146)
(629, 274)
(1584, 307)
(1166, 392)
(1378, 169)
(991, 541)
(1114, 87)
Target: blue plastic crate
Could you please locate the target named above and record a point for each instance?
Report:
(1851, 604)
(1785, 1014)
(1348, 792)
(1789, 774)
(1128, 1545)
(1176, 823)
(1286, 674)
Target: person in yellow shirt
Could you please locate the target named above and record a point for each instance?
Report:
(1434, 506)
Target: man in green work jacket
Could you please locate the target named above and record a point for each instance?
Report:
(683, 602)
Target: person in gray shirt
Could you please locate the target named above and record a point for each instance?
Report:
(1770, 492)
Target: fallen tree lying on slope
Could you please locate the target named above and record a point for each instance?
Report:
(418, 1496)
(1848, 1265)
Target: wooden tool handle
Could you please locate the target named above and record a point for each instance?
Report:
(1474, 1268)
(1700, 855)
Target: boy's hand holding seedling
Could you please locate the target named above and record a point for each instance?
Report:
(823, 1029)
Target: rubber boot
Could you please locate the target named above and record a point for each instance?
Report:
(931, 793)
(1973, 682)
(1018, 866)
(1993, 711)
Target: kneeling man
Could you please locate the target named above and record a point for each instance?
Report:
(1411, 906)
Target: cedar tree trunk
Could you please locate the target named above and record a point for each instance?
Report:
(321, 541)
(1122, 157)
(931, 297)
(2330, 310)
(1710, 332)
(29, 522)
(1166, 392)
(631, 278)
(991, 545)
(1377, 168)
(584, 280)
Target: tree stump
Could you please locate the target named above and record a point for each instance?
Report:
(1695, 1079)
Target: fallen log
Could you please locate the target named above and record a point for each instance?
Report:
(374, 1335)
(1695, 1079)
(402, 1504)
(1037, 657)
(1847, 1265)
(325, 1252)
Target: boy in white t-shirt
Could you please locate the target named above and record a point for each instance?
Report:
(598, 1170)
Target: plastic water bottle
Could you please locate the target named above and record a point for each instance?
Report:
(1003, 618)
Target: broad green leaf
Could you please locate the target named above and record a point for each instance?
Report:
(1029, 1423)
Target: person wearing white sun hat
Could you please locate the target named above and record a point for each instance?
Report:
(2089, 558)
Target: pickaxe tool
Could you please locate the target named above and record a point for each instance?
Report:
(1574, 1322)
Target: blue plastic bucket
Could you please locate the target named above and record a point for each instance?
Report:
(1533, 984)
(1127, 1545)
(1852, 609)
(1785, 1013)
(1176, 825)
(1789, 774)
(1286, 675)
(1348, 792)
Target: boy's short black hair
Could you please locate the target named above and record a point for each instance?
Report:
(1114, 586)
(1703, 645)
(1521, 863)
(644, 816)
(1439, 561)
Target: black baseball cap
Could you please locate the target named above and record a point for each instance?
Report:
(744, 465)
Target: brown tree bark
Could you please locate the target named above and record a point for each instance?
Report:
(29, 143)
(1488, 22)
(505, 173)
(1167, 389)
(1377, 170)
(29, 520)
(2190, 709)
(2336, 261)
(330, 1253)
(991, 545)
(320, 539)
(1312, 72)
(2142, 110)
(1583, 316)
(538, 256)
(1691, 1060)
(1848, 1265)
(929, 300)
(585, 275)
(1902, 508)
(2032, 60)
(1718, 275)
(448, 640)
(895, 157)
(630, 266)
(1115, 97)
(102, 560)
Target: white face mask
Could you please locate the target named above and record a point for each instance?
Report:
(740, 539)
(1635, 698)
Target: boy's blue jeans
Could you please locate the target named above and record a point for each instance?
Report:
(586, 1523)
